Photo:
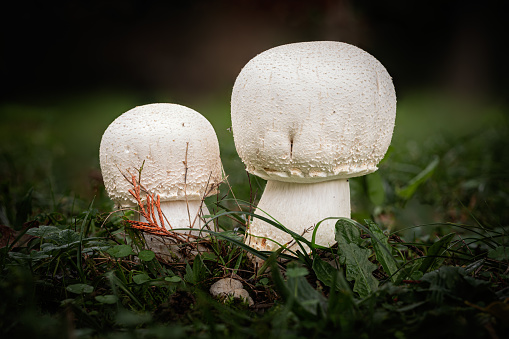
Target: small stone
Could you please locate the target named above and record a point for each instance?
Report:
(228, 286)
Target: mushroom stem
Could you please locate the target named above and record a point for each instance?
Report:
(182, 214)
(299, 207)
(176, 213)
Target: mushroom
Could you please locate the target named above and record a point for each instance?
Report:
(306, 117)
(230, 287)
(175, 152)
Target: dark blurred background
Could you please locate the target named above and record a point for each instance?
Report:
(68, 68)
(194, 47)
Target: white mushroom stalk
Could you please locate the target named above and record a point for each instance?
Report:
(306, 117)
(173, 151)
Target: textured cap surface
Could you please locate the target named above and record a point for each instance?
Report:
(225, 286)
(228, 286)
(160, 135)
(313, 111)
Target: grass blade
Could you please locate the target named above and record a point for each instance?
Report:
(80, 247)
(435, 251)
(408, 191)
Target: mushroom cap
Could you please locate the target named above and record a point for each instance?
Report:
(225, 286)
(228, 286)
(160, 137)
(313, 111)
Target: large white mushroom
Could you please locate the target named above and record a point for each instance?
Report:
(176, 149)
(306, 117)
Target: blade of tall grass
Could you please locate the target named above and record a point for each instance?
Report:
(315, 230)
(408, 191)
(300, 239)
(80, 247)
(268, 263)
(270, 220)
(484, 237)
(435, 251)
(114, 280)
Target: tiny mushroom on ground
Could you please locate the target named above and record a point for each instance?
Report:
(306, 117)
(173, 152)
(230, 287)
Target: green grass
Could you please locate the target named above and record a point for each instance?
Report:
(427, 254)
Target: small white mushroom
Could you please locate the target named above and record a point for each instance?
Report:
(176, 149)
(230, 287)
(306, 117)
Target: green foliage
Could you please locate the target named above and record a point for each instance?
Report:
(120, 251)
(408, 191)
(80, 288)
(356, 258)
(500, 253)
(376, 191)
(383, 251)
(435, 252)
(429, 260)
(146, 255)
(305, 300)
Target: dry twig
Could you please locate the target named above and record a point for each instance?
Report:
(153, 204)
